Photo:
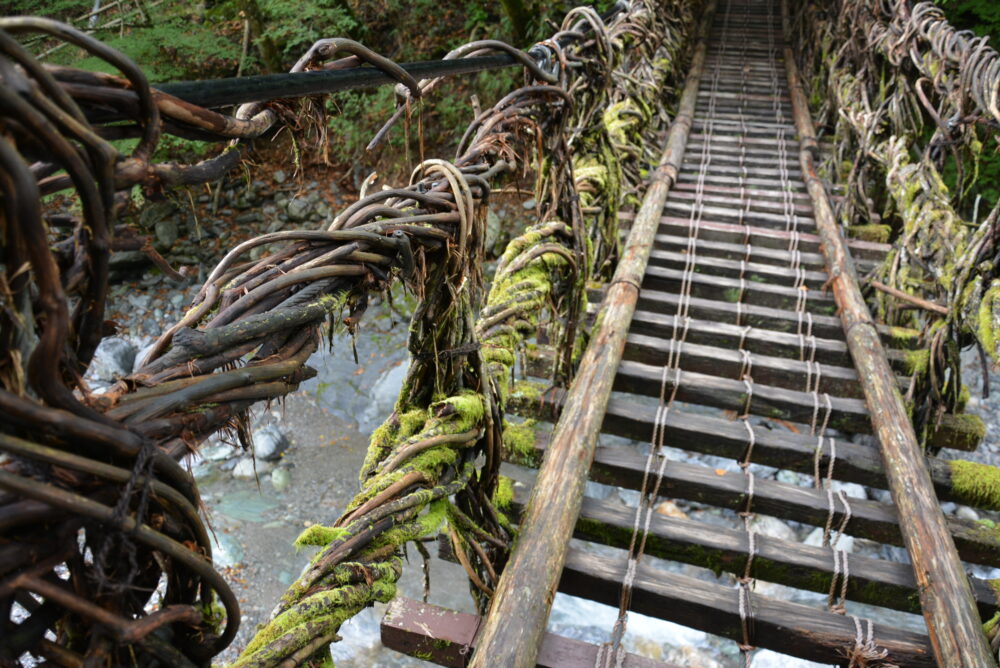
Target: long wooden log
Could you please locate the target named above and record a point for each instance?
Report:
(953, 624)
(517, 616)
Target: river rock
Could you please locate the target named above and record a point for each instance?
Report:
(140, 356)
(279, 176)
(851, 489)
(112, 359)
(383, 396)
(167, 232)
(245, 469)
(772, 526)
(299, 208)
(815, 538)
(281, 478)
(269, 442)
(966, 513)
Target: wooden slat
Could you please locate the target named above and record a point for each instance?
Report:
(788, 628)
(774, 371)
(756, 218)
(749, 201)
(770, 238)
(719, 167)
(657, 305)
(757, 272)
(873, 520)
(849, 415)
(731, 290)
(721, 179)
(444, 636)
(874, 581)
(738, 251)
(723, 363)
(716, 436)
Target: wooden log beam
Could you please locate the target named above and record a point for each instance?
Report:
(949, 608)
(444, 636)
(516, 619)
(789, 628)
(879, 582)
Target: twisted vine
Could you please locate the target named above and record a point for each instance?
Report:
(909, 98)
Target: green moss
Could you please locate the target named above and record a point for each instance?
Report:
(320, 536)
(467, 407)
(876, 233)
(504, 494)
(988, 322)
(965, 431)
(976, 484)
(519, 439)
(527, 390)
(991, 624)
(904, 335)
(917, 361)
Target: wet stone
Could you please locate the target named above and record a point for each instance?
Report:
(270, 442)
(112, 359)
(246, 470)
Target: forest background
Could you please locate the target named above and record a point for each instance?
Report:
(176, 40)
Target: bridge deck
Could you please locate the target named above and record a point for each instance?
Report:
(735, 352)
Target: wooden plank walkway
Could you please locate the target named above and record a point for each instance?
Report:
(736, 350)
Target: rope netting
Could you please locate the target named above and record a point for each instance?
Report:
(911, 102)
(104, 558)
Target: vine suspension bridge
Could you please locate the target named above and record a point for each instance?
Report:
(789, 292)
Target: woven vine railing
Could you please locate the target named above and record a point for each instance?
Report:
(103, 551)
(908, 99)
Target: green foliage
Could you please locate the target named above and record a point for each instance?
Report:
(980, 16)
(983, 18)
(294, 26)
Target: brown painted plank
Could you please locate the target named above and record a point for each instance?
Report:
(790, 628)
(444, 636)
(873, 581)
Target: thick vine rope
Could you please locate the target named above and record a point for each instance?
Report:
(105, 468)
(909, 98)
